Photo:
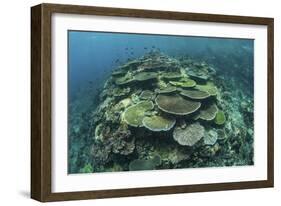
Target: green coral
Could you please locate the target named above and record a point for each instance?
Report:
(119, 92)
(210, 137)
(176, 105)
(195, 94)
(209, 87)
(209, 112)
(124, 80)
(197, 76)
(134, 114)
(221, 134)
(168, 89)
(158, 123)
(185, 83)
(144, 76)
(172, 75)
(147, 95)
(87, 169)
(189, 135)
(118, 72)
(220, 118)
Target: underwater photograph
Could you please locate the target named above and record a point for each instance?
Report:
(151, 101)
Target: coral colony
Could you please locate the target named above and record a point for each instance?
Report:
(158, 112)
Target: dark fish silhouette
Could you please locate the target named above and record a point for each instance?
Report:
(145, 48)
(126, 48)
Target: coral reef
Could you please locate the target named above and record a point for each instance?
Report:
(134, 115)
(220, 118)
(147, 95)
(190, 135)
(195, 94)
(168, 89)
(87, 169)
(210, 137)
(175, 104)
(149, 164)
(158, 123)
(159, 112)
(145, 76)
(209, 112)
(185, 83)
(209, 88)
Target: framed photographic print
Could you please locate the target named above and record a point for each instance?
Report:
(130, 102)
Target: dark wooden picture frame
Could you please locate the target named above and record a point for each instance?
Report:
(41, 117)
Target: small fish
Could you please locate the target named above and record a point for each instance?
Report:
(126, 48)
(132, 53)
(145, 48)
(153, 47)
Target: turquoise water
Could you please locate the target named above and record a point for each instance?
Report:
(101, 140)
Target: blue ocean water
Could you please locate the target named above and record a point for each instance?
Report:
(93, 56)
